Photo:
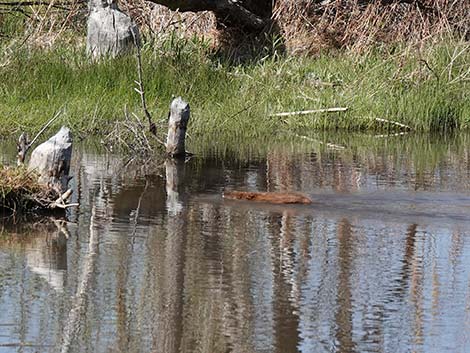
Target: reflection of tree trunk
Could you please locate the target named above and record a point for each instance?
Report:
(122, 318)
(282, 172)
(407, 258)
(169, 325)
(203, 314)
(238, 302)
(343, 315)
(416, 289)
(170, 313)
(287, 319)
(80, 302)
(412, 277)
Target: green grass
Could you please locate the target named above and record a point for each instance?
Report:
(427, 90)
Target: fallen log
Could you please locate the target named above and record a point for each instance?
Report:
(269, 197)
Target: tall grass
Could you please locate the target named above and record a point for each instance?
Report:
(426, 89)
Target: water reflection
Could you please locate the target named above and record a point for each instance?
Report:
(379, 263)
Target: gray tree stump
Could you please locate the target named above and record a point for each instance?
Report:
(178, 122)
(110, 31)
(51, 160)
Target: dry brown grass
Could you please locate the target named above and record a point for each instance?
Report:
(306, 26)
(20, 190)
(310, 26)
(158, 20)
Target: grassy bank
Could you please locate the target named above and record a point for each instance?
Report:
(426, 89)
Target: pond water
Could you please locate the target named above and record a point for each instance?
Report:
(380, 262)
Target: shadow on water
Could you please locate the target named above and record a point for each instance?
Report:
(379, 262)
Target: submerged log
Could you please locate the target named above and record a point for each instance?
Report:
(51, 160)
(270, 197)
(177, 124)
(110, 31)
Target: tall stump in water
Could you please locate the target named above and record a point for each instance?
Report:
(177, 124)
(51, 160)
(110, 31)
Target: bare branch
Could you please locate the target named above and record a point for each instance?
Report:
(304, 112)
(23, 144)
(141, 90)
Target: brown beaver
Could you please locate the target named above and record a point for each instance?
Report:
(271, 197)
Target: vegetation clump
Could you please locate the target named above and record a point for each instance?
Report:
(20, 191)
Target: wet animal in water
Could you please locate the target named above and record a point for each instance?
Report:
(271, 197)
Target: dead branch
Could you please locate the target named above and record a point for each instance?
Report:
(393, 123)
(304, 112)
(140, 89)
(61, 201)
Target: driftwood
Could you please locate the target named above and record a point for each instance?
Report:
(304, 112)
(269, 197)
(61, 202)
(177, 124)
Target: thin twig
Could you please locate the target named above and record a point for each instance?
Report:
(24, 146)
(44, 129)
(430, 69)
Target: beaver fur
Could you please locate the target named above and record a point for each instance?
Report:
(271, 197)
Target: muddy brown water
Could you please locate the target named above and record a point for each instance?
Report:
(380, 262)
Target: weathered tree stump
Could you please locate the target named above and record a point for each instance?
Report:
(51, 160)
(110, 31)
(178, 122)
